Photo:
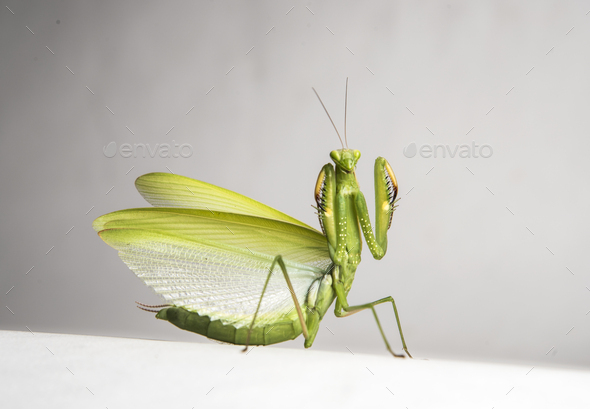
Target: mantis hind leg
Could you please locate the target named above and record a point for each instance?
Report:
(344, 310)
(278, 260)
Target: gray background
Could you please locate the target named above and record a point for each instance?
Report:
(487, 257)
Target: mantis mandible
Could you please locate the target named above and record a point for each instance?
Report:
(213, 254)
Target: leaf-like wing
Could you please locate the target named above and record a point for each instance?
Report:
(216, 263)
(168, 190)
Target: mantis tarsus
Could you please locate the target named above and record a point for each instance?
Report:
(213, 253)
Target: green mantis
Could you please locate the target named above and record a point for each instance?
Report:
(238, 271)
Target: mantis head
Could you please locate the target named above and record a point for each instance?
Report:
(346, 158)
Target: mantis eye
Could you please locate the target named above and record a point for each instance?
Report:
(357, 154)
(335, 155)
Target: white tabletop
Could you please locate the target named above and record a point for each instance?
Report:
(58, 370)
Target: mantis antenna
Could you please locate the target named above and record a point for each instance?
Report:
(333, 124)
(345, 106)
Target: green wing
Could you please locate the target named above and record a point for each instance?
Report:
(168, 190)
(216, 263)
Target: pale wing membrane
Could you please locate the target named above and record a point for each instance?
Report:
(221, 284)
(168, 190)
(217, 265)
(254, 234)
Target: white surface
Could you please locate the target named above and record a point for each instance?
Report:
(73, 371)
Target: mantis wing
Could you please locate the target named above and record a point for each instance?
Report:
(216, 263)
(168, 190)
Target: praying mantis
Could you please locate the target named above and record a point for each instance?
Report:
(237, 271)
